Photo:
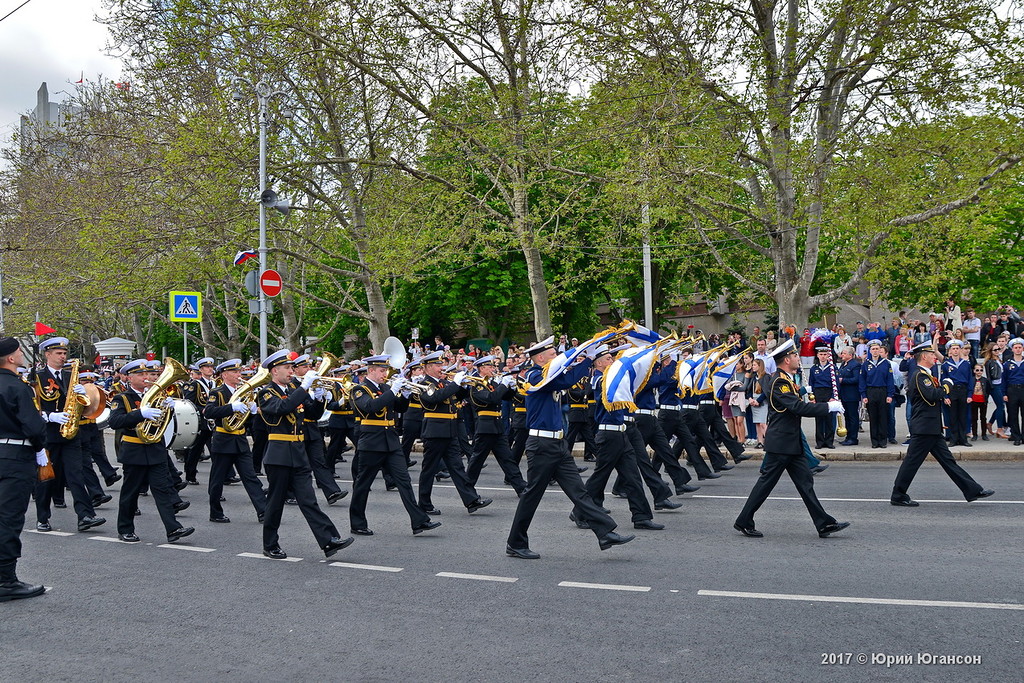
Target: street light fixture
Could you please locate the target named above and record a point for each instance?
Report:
(264, 93)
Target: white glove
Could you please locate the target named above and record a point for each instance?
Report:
(57, 418)
(406, 393)
(253, 408)
(309, 378)
(459, 378)
(168, 402)
(509, 381)
(592, 350)
(41, 458)
(398, 385)
(835, 406)
(150, 413)
(319, 393)
(239, 407)
(79, 389)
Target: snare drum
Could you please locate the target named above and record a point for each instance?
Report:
(103, 419)
(183, 428)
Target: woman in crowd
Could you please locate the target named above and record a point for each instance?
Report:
(993, 365)
(758, 402)
(921, 334)
(904, 342)
(770, 341)
(977, 394)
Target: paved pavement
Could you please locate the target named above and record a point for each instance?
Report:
(695, 601)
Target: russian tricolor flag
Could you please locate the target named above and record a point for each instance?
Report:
(243, 256)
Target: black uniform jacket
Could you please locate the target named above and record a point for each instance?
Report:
(218, 408)
(377, 406)
(282, 412)
(19, 418)
(441, 409)
(785, 410)
(125, 414)
(926, 396)
(487, 402)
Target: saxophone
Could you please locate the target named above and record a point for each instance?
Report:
(74, 404)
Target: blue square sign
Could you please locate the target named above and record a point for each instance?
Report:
(186, 307)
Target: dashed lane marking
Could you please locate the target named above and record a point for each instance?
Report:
(866, 601)
(261, 556)
(111, 539)
(193, 548)
(50, 533)
(867, 500)
(605, 586)
(478, 577)
(368, 567)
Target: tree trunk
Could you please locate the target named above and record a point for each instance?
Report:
(379, 325)
(534, 264)
(234, 342)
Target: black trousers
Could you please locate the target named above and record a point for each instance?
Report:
(920, 446)
(692, 420)
(484, 445)
(410, 432)
(655, 437)
(659, 489)
(958, 413)
(548, 459)
(824, 427)
(93, 446)
(582, 430)
(672, 424)
(324, 475)
(878, 416)
(17, 479)
(159, 482)
(68, 456)
(1014, 406)
(615, 453)
(394, 464)
(851, 411)
(259, 447)
(281, 479)
(716, 425)
(195, 452)
(336, 446)
(220, 469)
(800, 472)
(448, 452)
(517, 437)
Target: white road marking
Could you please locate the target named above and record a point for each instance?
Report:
(605, 586)
(865, 500)
(866, 601)
(50, 533)
(111, 539)
(370, 567)
(193, 548)
(261, 556)
(478, 577)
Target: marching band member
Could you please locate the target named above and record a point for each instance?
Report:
(197, 390)
(380, 447)
(486, 398)
(51, 385)
(230, 447)
(340, 424)
(312, 411)
(143, 463)
(285, 460)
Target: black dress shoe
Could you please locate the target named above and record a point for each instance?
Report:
(391, 487)
(686, 488)
(824, 531)
(180, 486)
(100, 500)
(611, 538)
(362, 532)
(894, 442)
(581, 469)
(580, 523)
(648, 524)
(589, 458)
(137, 512)
(113, 479)
(522, 553)
(335, 497)
(747, 530)
(618, 494)
(967, 443)
(832, 445)
(984, 493)
(740, 458)
(275, 553)
(86, 523)
(905, 503)
(232, 480)
(220, 520)
(667, 505)
(291, 501)
(725, 468)
(709, 475)
(442, 475)
(337, 544)
(43, 526)
(180, 532)
(984, 437)
(62, 505)
(477, 504)
(181, 505)
(193, 482)
(408, 463)
(432, 511)
(426, 526)
(1017, 442)
(16, 590)
(129, 537)
(819, 468)
(260, 516)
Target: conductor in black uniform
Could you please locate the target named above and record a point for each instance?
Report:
(380, 447)
(22, 437)
(926, 398)
(783, 445)
(285, 460)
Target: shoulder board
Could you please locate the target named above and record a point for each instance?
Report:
(358, 389)
(268, 393)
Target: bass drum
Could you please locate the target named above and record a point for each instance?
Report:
(183, 428)
(103, 419)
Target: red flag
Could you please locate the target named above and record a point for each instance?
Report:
(42, 329)
(82, 78)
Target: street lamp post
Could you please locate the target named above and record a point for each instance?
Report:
(264, 93)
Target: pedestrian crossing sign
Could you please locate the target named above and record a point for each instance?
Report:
(186, 307)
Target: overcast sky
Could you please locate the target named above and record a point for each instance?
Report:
(51, 41)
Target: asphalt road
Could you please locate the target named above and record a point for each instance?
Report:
(117, 612)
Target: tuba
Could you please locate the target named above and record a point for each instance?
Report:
(151, 431)
(245, 393)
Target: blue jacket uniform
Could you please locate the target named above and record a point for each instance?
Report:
(958, 371)
(602, 416)
(877, 373)
(848, 377)
(543, 409)
(660, 378)
(821, 376)
(1013, 372)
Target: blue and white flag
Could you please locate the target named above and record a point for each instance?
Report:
(627, 375)
(557, 365)
(723, 372)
